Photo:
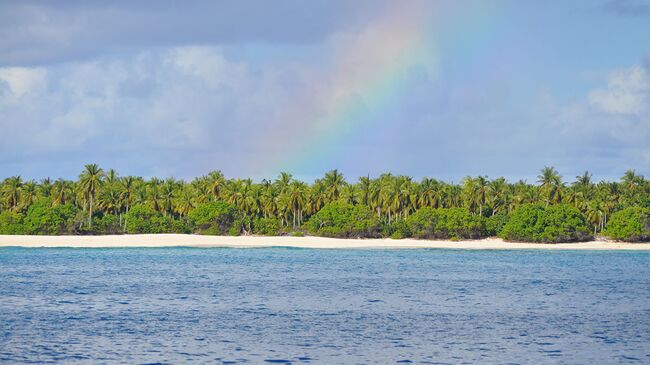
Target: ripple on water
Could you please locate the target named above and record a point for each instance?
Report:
(283, 306)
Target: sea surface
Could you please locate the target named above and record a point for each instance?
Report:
(300, 306)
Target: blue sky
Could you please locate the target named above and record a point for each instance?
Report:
(178, 89)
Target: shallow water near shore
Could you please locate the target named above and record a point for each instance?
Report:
(280, 305)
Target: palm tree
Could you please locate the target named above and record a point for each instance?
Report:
(12, 191)
(154, 196)
(283, 181)
(268, 200)
(185, 201)
(334, 182)
(392, 198)
(90, 181)
(498, 194)
(375, 196)
(297, 193)
(348, 194)
(111, 177)
(389, 196)
(471, 194)
(30, 193)
(254, 201)
(453, 196)
(318, 196)
(363, 190)
(128, 191)
(62, 191)
(405, 196)
(216, 182)
(429, 195)
(631, 180)
(110, 199)
(482, 189)
(550, 183)
(168, 194)
(584, 180)
(46, 187)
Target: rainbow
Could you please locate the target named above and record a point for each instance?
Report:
(369, 72)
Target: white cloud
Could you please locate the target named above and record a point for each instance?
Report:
(208, 64)
(192, 101)
(627, 92)
(609, 128)
(22, 80)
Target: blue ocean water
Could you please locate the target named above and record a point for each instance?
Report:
(280, 305)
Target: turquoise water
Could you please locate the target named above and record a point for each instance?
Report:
(184, 305)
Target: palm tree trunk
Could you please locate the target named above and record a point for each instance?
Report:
(90, 212)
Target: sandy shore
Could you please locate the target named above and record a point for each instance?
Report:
(174, 240)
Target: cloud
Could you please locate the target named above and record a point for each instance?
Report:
(628, 7)
(22, 80)
(184, 111)
(139, 87)
(41, 32)
(609, 129)
(627, 92)
(191, 103)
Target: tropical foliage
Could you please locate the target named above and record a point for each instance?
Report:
(630, 224)
(102, 202)
(538, 223)
(341, 219)
(438, 223)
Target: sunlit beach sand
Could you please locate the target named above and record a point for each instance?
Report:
(175, 240)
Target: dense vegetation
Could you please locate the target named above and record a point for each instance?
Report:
(438, 223)
(101, 202)
(630, 224)
(536, 223)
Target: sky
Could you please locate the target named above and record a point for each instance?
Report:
(442, 89)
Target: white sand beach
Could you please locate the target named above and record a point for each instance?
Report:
(173, 240)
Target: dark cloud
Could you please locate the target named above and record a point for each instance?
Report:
(33, 32)
(628, 7)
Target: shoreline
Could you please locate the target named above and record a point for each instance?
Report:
(190, 240)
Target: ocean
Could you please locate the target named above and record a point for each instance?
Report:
(323, 306)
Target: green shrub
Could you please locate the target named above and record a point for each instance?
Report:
(525, 224)
(565, 223)
(234, 230)
(630, 224)
(107, 224)
(397, 230)
(340, 219)
(215, 218)
(181, 225)
(494, 224)
(142, 219)
(12, 223)
(451, 223)
(266, 226)
(558, 223)
(44, 218)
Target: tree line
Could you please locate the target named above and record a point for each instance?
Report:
(549, 210)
